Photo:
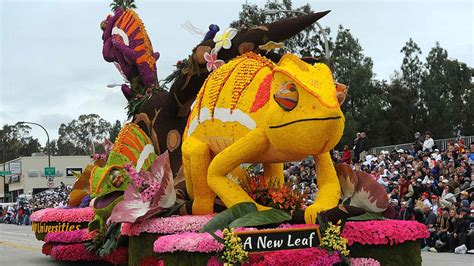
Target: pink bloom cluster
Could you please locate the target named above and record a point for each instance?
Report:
(363, 262)
(75, 215)
(189, 242)
(99, 156)
(77, 236)
(72, 252)
(383, 232)
(145, 186)
(78, 252)
(167, 225)
(307, 256)
(118, 256)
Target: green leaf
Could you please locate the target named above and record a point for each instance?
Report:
(271, 216)
(223, 219)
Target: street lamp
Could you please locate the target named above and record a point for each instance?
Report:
(276, 11)
(47, 135)
(113, 85)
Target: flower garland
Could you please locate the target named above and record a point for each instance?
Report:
(76, 236)
(233, 252)
(383, 232)
(167, 225)
(76, 215)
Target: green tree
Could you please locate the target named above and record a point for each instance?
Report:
(114, 130)
(16, 141)
(446, 88)
(365, 98)
(77, 136)
(308, 43)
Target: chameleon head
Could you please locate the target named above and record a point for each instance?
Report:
(304, 116)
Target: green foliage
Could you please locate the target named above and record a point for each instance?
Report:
(77, 136)
(114, 131)
(271, 216)
(140, 247)
(407, 253)
(224, 218)
(125, 4)
(16, 141)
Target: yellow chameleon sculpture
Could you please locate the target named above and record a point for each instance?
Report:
(251, 110)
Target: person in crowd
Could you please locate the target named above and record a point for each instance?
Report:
(364, 146)
(356, 147)
(346, 155)
(428, 143)
(429, 219)
(418, 143)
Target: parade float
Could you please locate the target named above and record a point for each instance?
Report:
(172, 189)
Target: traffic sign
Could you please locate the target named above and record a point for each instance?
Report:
(50, 184)
(5, 173)
(71, 171)
(49, 171)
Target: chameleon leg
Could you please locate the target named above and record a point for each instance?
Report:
(273, 173)
(187, 174)
(329, 190)
(246, 148)
(198, 155)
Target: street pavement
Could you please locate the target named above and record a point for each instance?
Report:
(18, 246)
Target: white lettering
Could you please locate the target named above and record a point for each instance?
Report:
(289, 241)
(278, 243)
(248, 242)
(311, 236)
(262, 241)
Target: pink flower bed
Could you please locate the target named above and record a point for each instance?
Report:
(190, 242)
(167, 225)
(308, 256)
(383, 232)
(78, 252)
(72, 252)
(118, 256)
(363, 262)
(77, 236)
(75, 215)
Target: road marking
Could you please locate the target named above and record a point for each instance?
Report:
(16, 246)
(4, 232)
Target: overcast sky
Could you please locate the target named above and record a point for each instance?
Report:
(52, 68)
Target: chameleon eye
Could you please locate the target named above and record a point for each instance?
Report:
(287, 96)
(116, 178)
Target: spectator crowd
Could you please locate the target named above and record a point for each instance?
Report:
(19, 212)
(423, 183)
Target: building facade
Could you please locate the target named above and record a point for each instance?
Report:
(28, 174)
